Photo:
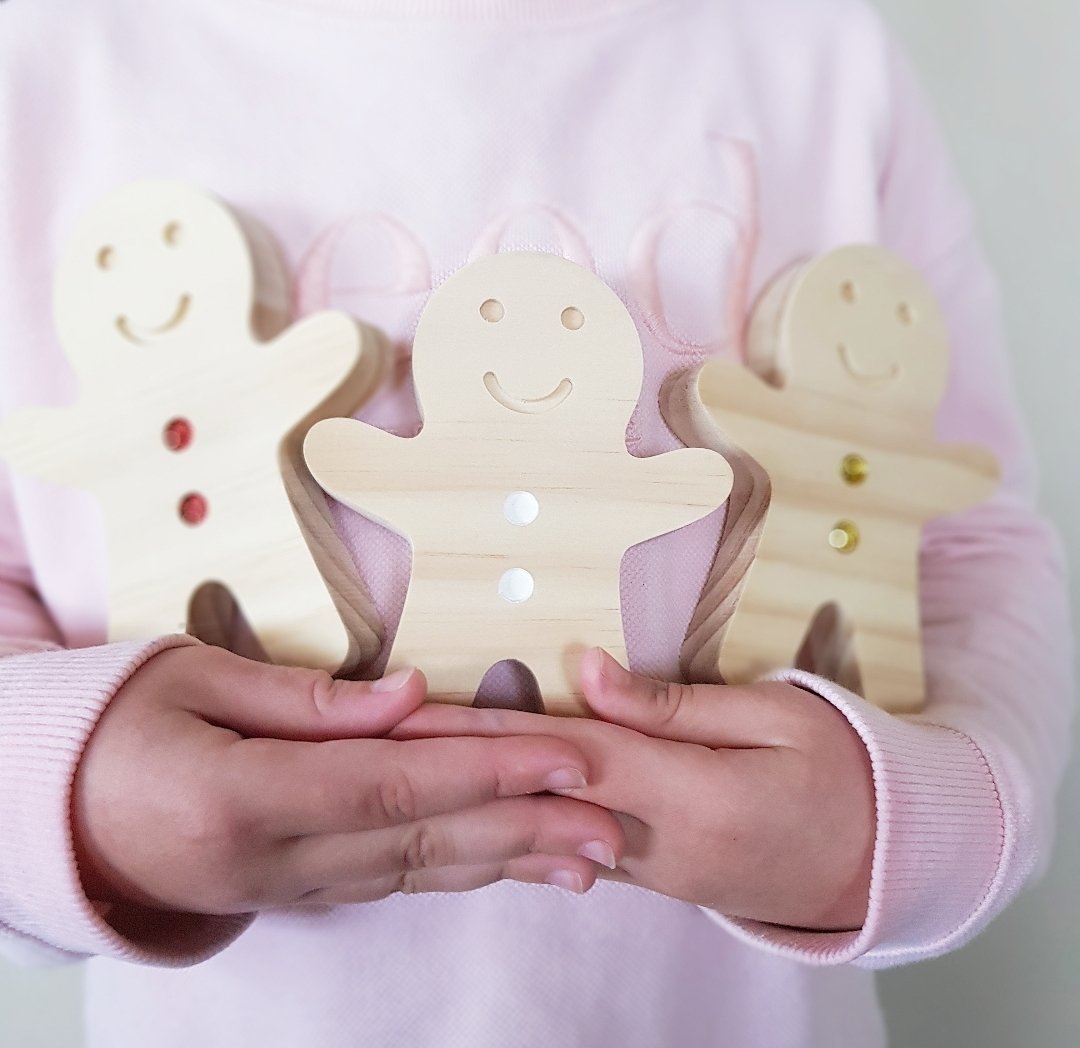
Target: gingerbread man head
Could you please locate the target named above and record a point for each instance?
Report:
(856, 324)
(156, 265)
(497, 344)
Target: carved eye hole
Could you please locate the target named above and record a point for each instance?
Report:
(172, 234)
(492, 310)
(572, 318)
(106, 256)
(849, 292)
(906, 314)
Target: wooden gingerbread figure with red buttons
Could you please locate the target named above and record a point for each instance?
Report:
(193, 397)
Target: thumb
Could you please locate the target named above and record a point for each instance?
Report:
(706, 714)
(280, 702)
(649, 706)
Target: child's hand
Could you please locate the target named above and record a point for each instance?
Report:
(217, 785)
(755, 801)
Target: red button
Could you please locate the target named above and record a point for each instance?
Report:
(193, 509)
(178, 434)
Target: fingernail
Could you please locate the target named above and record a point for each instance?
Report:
(613, 671)
(396, 680)
(565, 779)
(599, 852)
(566, 879)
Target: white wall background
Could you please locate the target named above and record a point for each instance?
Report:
(1006, 77)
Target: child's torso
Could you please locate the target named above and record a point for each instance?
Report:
(384, 155)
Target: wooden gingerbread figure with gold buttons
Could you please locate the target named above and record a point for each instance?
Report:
(848, 362)
(193, 397)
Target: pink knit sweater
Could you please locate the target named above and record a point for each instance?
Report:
(687, 150)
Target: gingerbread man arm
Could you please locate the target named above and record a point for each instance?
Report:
(54, 444)
(326, 363)
(739, 401)
(964, 475)
(364, 467)
(671, 491)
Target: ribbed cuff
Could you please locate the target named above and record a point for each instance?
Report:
(941, 834)
(49, 704)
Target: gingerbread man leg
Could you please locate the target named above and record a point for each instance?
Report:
(434, 636)
(557, 672)
(147, 602)
(889, 655)
(297, 622)
(829, 648)
(763, 636)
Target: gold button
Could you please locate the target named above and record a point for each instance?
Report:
(854, 469)
(844, 537)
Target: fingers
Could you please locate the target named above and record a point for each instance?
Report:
(626, 767)
(297, 789)
(574, 875)
(261, 701)
(442, 720)
(491, 835)
(717, 716)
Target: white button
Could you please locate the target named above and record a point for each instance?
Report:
(521, 508)
(516, 586)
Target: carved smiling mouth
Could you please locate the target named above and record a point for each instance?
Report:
(862, 375)
(535, 406)
(141, 335)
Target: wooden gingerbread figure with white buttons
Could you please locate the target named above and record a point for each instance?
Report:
(518, 495)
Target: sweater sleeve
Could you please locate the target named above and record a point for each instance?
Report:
(25, 625)
(965, 791)
(50, 701)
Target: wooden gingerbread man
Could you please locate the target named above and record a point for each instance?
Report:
(188, 427)
(519, 496)
(850, 357)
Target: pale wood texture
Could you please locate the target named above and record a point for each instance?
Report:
(528, 369)
(163, 300)
(850, 357)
